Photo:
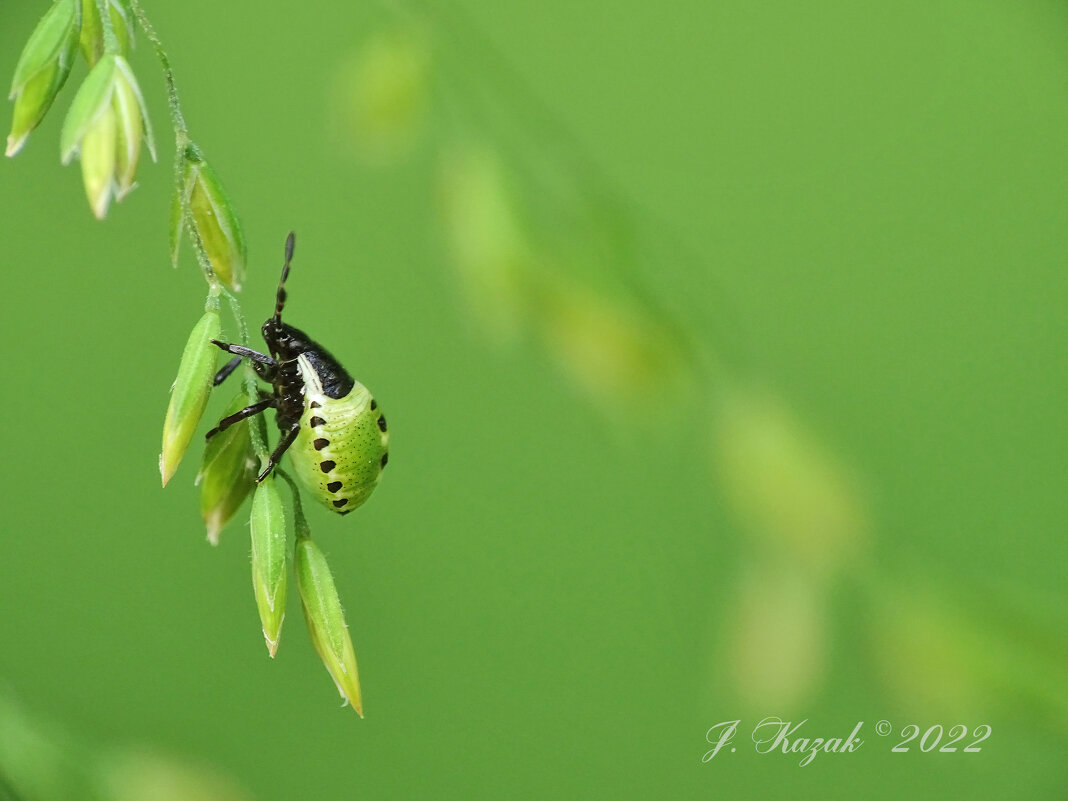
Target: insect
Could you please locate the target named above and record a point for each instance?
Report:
(331, 426)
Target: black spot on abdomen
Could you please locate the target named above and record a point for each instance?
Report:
(320, 443)
(340, 503)
(327, 466)
(316, 422)
(382, 422)
(334, 486)
(385, 458)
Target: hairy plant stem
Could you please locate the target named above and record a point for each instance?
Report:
(182, 141)
(257, 425)
(181, 132)
(111, 42)
(302, 527)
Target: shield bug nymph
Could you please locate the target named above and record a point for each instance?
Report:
(331, 426)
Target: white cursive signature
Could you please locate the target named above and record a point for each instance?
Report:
(776, 734)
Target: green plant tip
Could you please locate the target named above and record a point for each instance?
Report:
(269, 562)
(326, 621)
(227, 472)
(190, 394)
(107, 123)
(42, 69)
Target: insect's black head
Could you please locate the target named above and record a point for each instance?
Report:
(285, 341)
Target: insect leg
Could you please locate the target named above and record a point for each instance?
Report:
(225, 372)
(247, 412)
(240, 350)
(265, 371)
(283, 446)
(263, 364)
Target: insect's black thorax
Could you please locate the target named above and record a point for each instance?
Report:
(286, 343)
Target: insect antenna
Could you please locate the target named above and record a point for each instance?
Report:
(280, 300)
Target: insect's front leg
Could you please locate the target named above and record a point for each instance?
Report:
(264, 365)
(225, 372)
(237, 417)
(264, 371)
(283, 446)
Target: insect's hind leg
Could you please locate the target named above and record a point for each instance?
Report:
(283, 446)
(248, 411)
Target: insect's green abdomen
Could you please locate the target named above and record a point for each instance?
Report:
(342, 446)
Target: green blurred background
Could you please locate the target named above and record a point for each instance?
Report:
(833, 489)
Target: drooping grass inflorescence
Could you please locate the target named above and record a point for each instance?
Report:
(105, 127)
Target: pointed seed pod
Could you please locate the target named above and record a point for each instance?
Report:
(326, 621)
(98, 161)
(227, 472)
(42, 69)
(91, 99)
(190, 393)
(129, 131)
(106, 124)
(269, 567)
(213, 215)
